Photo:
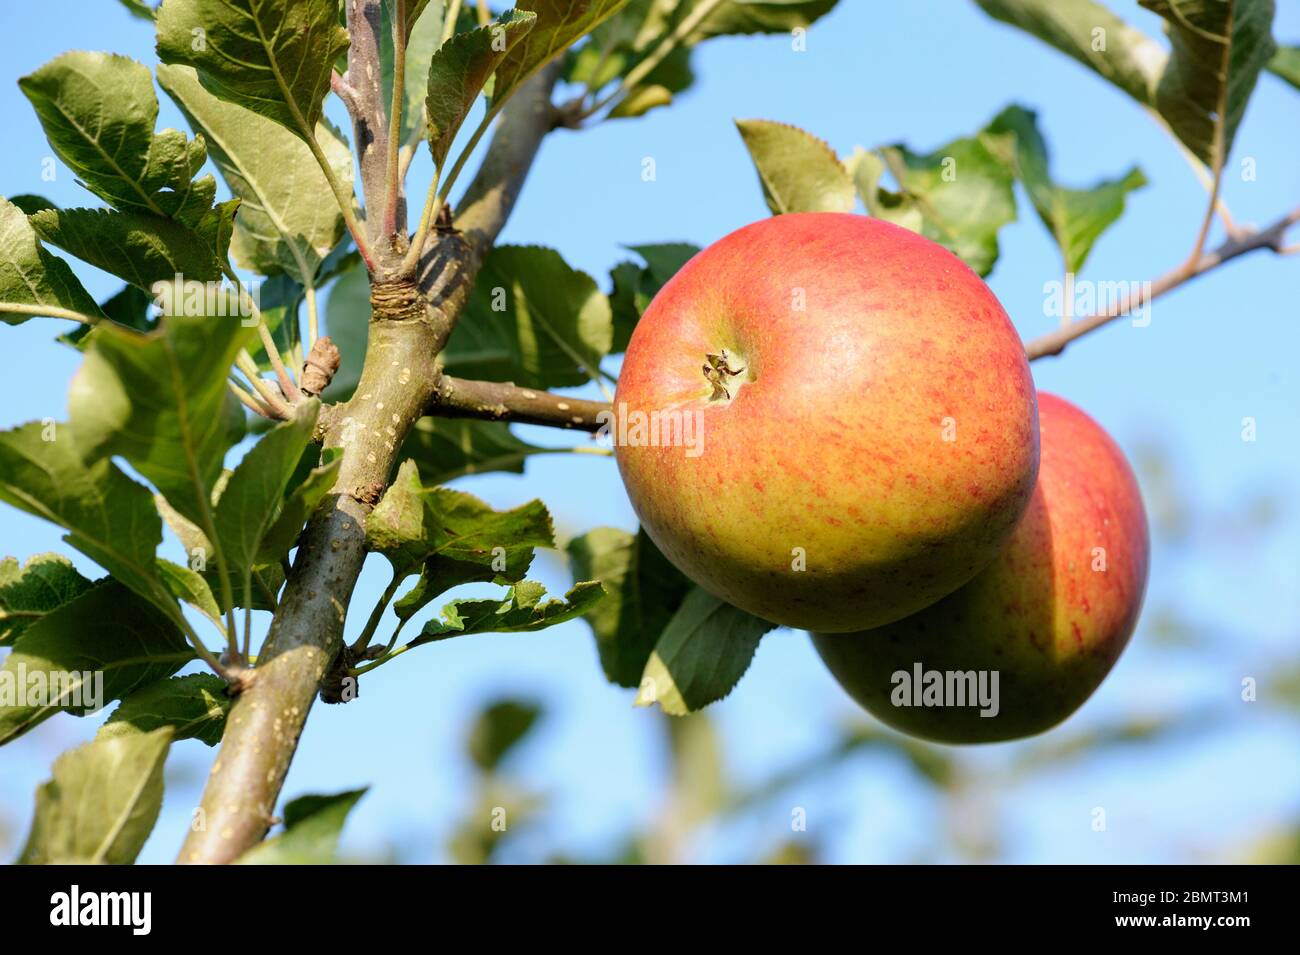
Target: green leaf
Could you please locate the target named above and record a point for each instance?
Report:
(139, 9)
(521, 611)
(198, 549)
(30, 591)
(459, 70)
(1285, 63)
(138, 248)
(1094, 36)
(559, 24)
(298, 505)
(447, 448)
(311, 834)
(278, 300)
(270, 56)
(498, 729)
(452, 538)
(31, 279)
(1075, 217)
(193, 707)
(643, 592)
(110, 518)
(160, 400)
(251, 499)
(754, 16)
(31, 203)
(191, 587)
(703, 652)
(634, 286)
(960, 195)
(129, 307)
(532, 320)
(286, 221)
(1219, 47)
(622, 42)
(641, 100)
(107, 633)
(616, 47)
(798, 171)
(101, 803)
(643, 24)
(1201, 89)
(98, 111)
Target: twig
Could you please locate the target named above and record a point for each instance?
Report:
(249, 402)
(343, 89)
(1203, 176)
(369, 119)
(287, 384)
(244, 362)
(1270, 237)
(1220, 145)
(392, 180)
(502, 401)
(432, 205)
(376, 617)
(48, 311)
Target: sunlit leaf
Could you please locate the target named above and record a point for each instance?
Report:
(703, 652)
(798, 171)
(521, 611)
(643, 592)
(98, 111)
(32, 279)
(31, 590)
(106, 634)
(286, 221)
(101, 803)
(1075, 217)
(270, 56)
(193, 707)
(312, 826)
(459, 70)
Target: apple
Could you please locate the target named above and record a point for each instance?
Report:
(1042, 625)
(866, 434)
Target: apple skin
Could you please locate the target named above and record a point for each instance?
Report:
(858, 341)
(1040, 614)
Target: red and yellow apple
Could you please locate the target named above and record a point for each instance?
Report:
(866, 414)
(1048, 617)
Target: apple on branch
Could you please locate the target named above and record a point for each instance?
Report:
(867, 421)
(1048, 618)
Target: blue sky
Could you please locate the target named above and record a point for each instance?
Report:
(923, 72)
